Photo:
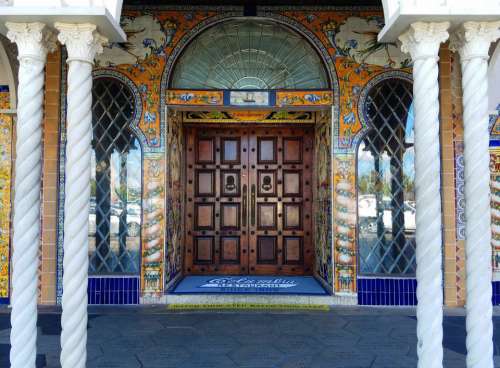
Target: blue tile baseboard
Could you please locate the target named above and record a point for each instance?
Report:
(4, 300)
(113, 290)
(387, 291)
(495, 297)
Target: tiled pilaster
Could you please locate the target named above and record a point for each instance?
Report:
(453, 260)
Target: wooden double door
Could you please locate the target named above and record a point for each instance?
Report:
(249, 200)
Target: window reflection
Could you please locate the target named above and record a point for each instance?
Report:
(115, 205)
(386, 174)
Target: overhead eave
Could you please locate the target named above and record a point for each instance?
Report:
(399, 22)
(100, 16)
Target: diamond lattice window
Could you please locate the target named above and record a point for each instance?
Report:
(386, 198)
(115, 207)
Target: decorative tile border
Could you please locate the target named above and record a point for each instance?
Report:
(61, 180)
(459, 190)
(249, 117)
(113, 290)
(5, 193)
(153, 228)
(247, 98)
(387, 291)
(194, 98)
(344, 222)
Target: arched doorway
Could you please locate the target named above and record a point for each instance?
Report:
(249, 179)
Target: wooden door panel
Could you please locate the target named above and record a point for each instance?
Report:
(266, 147)
(292, 150)
(216, 173)
(204, 249)
(293, 251)
(267, 216)
(205, 183)
(230, 216)
(230, 249)
(267, 251)
(292, 216)
(204, 216)
(249, 200)
(292, 183)
(205, 150)
(230, 150)
(281, 170)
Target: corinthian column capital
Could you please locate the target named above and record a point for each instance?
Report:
(33, 40)
(82, 40)
(422, 40)
(473, 39)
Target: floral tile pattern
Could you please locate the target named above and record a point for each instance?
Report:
(5, 192)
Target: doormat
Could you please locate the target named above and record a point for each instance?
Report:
(282, 285)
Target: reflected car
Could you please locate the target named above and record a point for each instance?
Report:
(133, 222)
(367, 211)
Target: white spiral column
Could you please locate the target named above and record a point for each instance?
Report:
(472, 40)
(33, 42)
(422, 41)
(82, 42)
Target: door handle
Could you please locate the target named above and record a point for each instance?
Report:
(244, 217)
(252, 204)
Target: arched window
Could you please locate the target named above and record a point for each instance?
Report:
(386, 174)
(115, 207)
(249, 54)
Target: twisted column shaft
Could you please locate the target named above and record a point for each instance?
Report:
(422, 41)
(82, 42)
(33, 42)
(472, 41)
(76, 205)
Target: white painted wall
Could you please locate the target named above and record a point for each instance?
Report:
(494, 80)
(113, 6)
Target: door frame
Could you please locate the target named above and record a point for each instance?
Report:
(312, 179)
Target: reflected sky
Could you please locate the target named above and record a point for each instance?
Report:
(366, 162)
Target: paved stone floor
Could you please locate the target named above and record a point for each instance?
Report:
(152, 337)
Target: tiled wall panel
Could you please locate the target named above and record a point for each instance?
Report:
(387, 291)
(113, 290)
(47, 273)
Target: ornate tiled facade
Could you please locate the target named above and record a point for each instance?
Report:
(345, 38)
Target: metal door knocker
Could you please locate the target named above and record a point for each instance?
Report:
(266, 183)
(230, 185)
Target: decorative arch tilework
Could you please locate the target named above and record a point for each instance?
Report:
(362, 104)
(323, 199)
(495, 196)
(98, 73)
(134, 124)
